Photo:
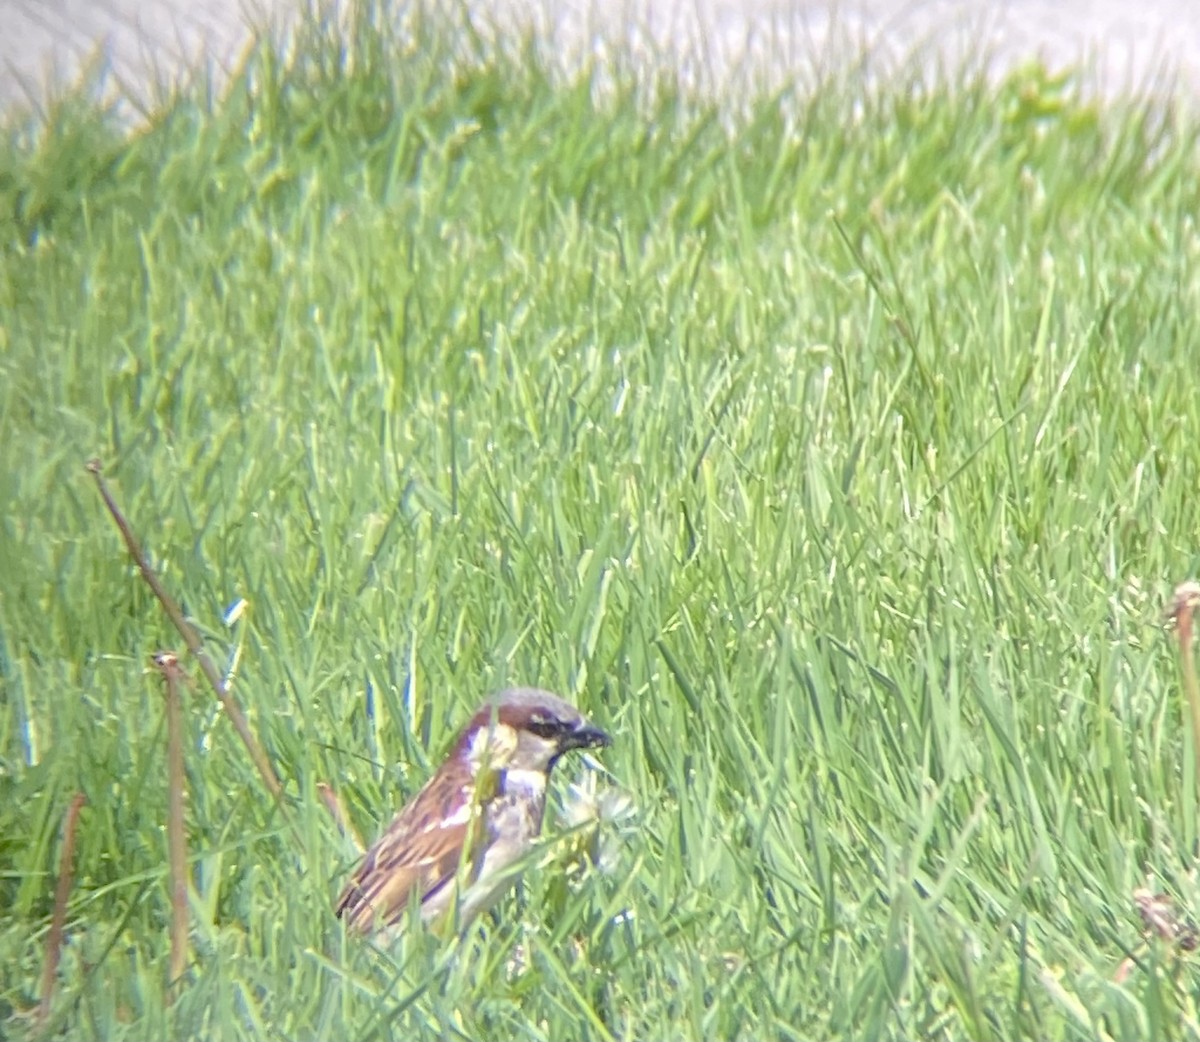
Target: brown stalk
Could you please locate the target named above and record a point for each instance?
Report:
(168, 664)
(190, 637)
(62, 891)
(1183, 608)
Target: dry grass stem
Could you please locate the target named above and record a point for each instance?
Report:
(62, 892)
(168, 664)
(190, 636)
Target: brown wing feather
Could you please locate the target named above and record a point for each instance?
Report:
(416, 853)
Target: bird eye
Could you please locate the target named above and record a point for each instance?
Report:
(545, 728)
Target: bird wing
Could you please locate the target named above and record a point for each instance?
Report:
(420, 852)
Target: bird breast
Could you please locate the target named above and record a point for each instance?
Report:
(514, 818)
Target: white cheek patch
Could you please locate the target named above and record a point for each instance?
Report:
(535, 752)
(492, 746)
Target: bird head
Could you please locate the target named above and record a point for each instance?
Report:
(528, 729)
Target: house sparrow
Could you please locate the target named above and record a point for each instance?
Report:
(454, 843)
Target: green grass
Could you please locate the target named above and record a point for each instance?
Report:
(837, 454)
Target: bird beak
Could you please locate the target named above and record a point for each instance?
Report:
(585, 736)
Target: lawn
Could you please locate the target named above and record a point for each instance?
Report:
(835, 450)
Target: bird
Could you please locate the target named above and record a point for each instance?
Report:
(455, 847)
